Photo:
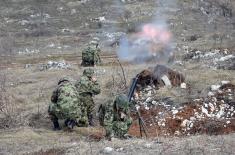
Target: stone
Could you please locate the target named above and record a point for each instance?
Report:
(215, 87)
(183, 85)
(108, 150)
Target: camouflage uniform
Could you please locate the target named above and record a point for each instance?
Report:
(65, 104)
(91, 55)
(115, 117)
(87, 89)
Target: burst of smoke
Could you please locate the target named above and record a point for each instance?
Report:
(152, 42)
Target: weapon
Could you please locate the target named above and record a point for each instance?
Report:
(130, 95)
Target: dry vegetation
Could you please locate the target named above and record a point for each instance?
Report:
(31, 90)
(25, 92)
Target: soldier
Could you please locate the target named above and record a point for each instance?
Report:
(115, 117)
(65, 105)
(91, 54)
(87, 87)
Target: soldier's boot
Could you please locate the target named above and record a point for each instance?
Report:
(66, 122)
(70, 123)
(90, 120)
(56, 125)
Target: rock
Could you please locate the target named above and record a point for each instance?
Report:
(183, 85)
(174, 112)
(54, 65)
(27, 66)
(148, 145)
(184, 123)
(108, 150)
(210, 93)
(159, 76)
(154, 102)
(73, 11)
(119, 149)
(225, 82)
(177, 133)
(215, 87)
(166, 80)
(225, 58)
(148, 99)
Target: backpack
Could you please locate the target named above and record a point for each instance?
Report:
(105, 112)
(88, 54)
(68, 102)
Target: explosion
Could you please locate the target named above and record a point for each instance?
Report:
(155, 33)
(153, 41)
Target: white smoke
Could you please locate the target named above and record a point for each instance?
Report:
(153, 41)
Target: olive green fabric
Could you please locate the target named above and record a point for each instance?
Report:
(86, 86)
(121, 103)
(66, 104)
(106, 113)
(87, 89)
(111, 118)
(91, 55)
(88, 72)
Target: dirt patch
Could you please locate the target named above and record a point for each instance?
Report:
(213, 115)
(159, 76)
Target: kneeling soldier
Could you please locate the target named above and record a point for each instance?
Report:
(115, 117)
(65, 105)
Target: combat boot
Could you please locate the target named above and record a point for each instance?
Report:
(70, 124)
(56, 125)
(90, 120)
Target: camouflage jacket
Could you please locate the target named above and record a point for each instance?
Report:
(111, 121)
(65, 101)
(91, 53)
(86, 86)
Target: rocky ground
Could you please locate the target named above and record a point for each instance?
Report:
(41, 41)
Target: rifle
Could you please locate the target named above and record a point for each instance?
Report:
(130, 95)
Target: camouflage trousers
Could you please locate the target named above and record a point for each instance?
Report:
(88, 103)
(120, 128)
(78, 114)
(117, 128)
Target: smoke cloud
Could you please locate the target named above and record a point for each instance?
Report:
(153, 41)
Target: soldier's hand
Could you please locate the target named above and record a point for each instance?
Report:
(93, 79)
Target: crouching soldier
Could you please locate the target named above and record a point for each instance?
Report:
(114, 116)
(65, 105)
(87, 87)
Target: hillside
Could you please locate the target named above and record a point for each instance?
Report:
(41, 41)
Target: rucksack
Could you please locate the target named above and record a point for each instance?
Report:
(104, 111)
(88, 54)
(68, 101)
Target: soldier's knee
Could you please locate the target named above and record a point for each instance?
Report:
(53, 117)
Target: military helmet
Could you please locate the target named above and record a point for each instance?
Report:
(121, 102)
(88, 72)
(94, 41)
(64, 79)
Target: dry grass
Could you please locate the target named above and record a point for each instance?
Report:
(32, 90)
